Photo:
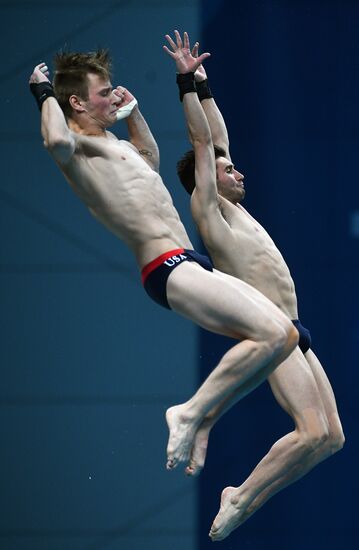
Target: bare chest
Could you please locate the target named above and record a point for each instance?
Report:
(109, 172)
(253, 253)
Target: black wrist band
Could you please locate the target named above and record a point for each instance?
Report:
(185, 84)
(203, 90)
(41, 91)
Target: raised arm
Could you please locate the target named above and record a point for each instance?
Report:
(198, 128)
(141, 137)
(139, 134)
(214, 116)
(206, 202)
(58, 138)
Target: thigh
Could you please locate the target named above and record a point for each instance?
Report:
(221, 303)
(323, 383)
(296, 390)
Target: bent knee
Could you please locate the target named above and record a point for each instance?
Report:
(336, 440)
(292, 336)
(323, 437)
(284, 338)
(318, 440)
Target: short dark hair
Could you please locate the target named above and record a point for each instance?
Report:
(71, 70)
(186, 168)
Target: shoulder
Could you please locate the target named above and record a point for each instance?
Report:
(111, 135)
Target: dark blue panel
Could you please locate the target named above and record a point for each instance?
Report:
(285, 77)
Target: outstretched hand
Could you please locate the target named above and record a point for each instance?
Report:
(181, 52)
(200, 73)
(40, 74)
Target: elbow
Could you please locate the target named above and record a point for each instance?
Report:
(203, 141)
(156, 156)
(154, 163)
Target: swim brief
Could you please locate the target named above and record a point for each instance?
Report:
(305, 339)
(155, 274)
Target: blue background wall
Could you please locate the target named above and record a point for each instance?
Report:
(285, 74)
(88, 363)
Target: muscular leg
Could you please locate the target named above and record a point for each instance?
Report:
(336, 437)
(334, 442)
(225, 305)
(303, 390)
(200, 444)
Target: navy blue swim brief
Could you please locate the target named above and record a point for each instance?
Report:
(305, 339)
(155, 274)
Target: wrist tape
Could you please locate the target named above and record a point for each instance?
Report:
(41, 91)
(126, 110)
(203, 90)
(185, 83)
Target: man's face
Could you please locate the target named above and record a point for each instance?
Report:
(102, 102)
(229, 181)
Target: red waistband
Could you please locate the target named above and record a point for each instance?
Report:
(158, 261)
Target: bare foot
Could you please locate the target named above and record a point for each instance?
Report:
(199, 451)
(230, 515)
(182, 432)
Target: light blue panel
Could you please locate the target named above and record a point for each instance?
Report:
(89, 362)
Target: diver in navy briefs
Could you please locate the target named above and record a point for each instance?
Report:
(239, 246)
